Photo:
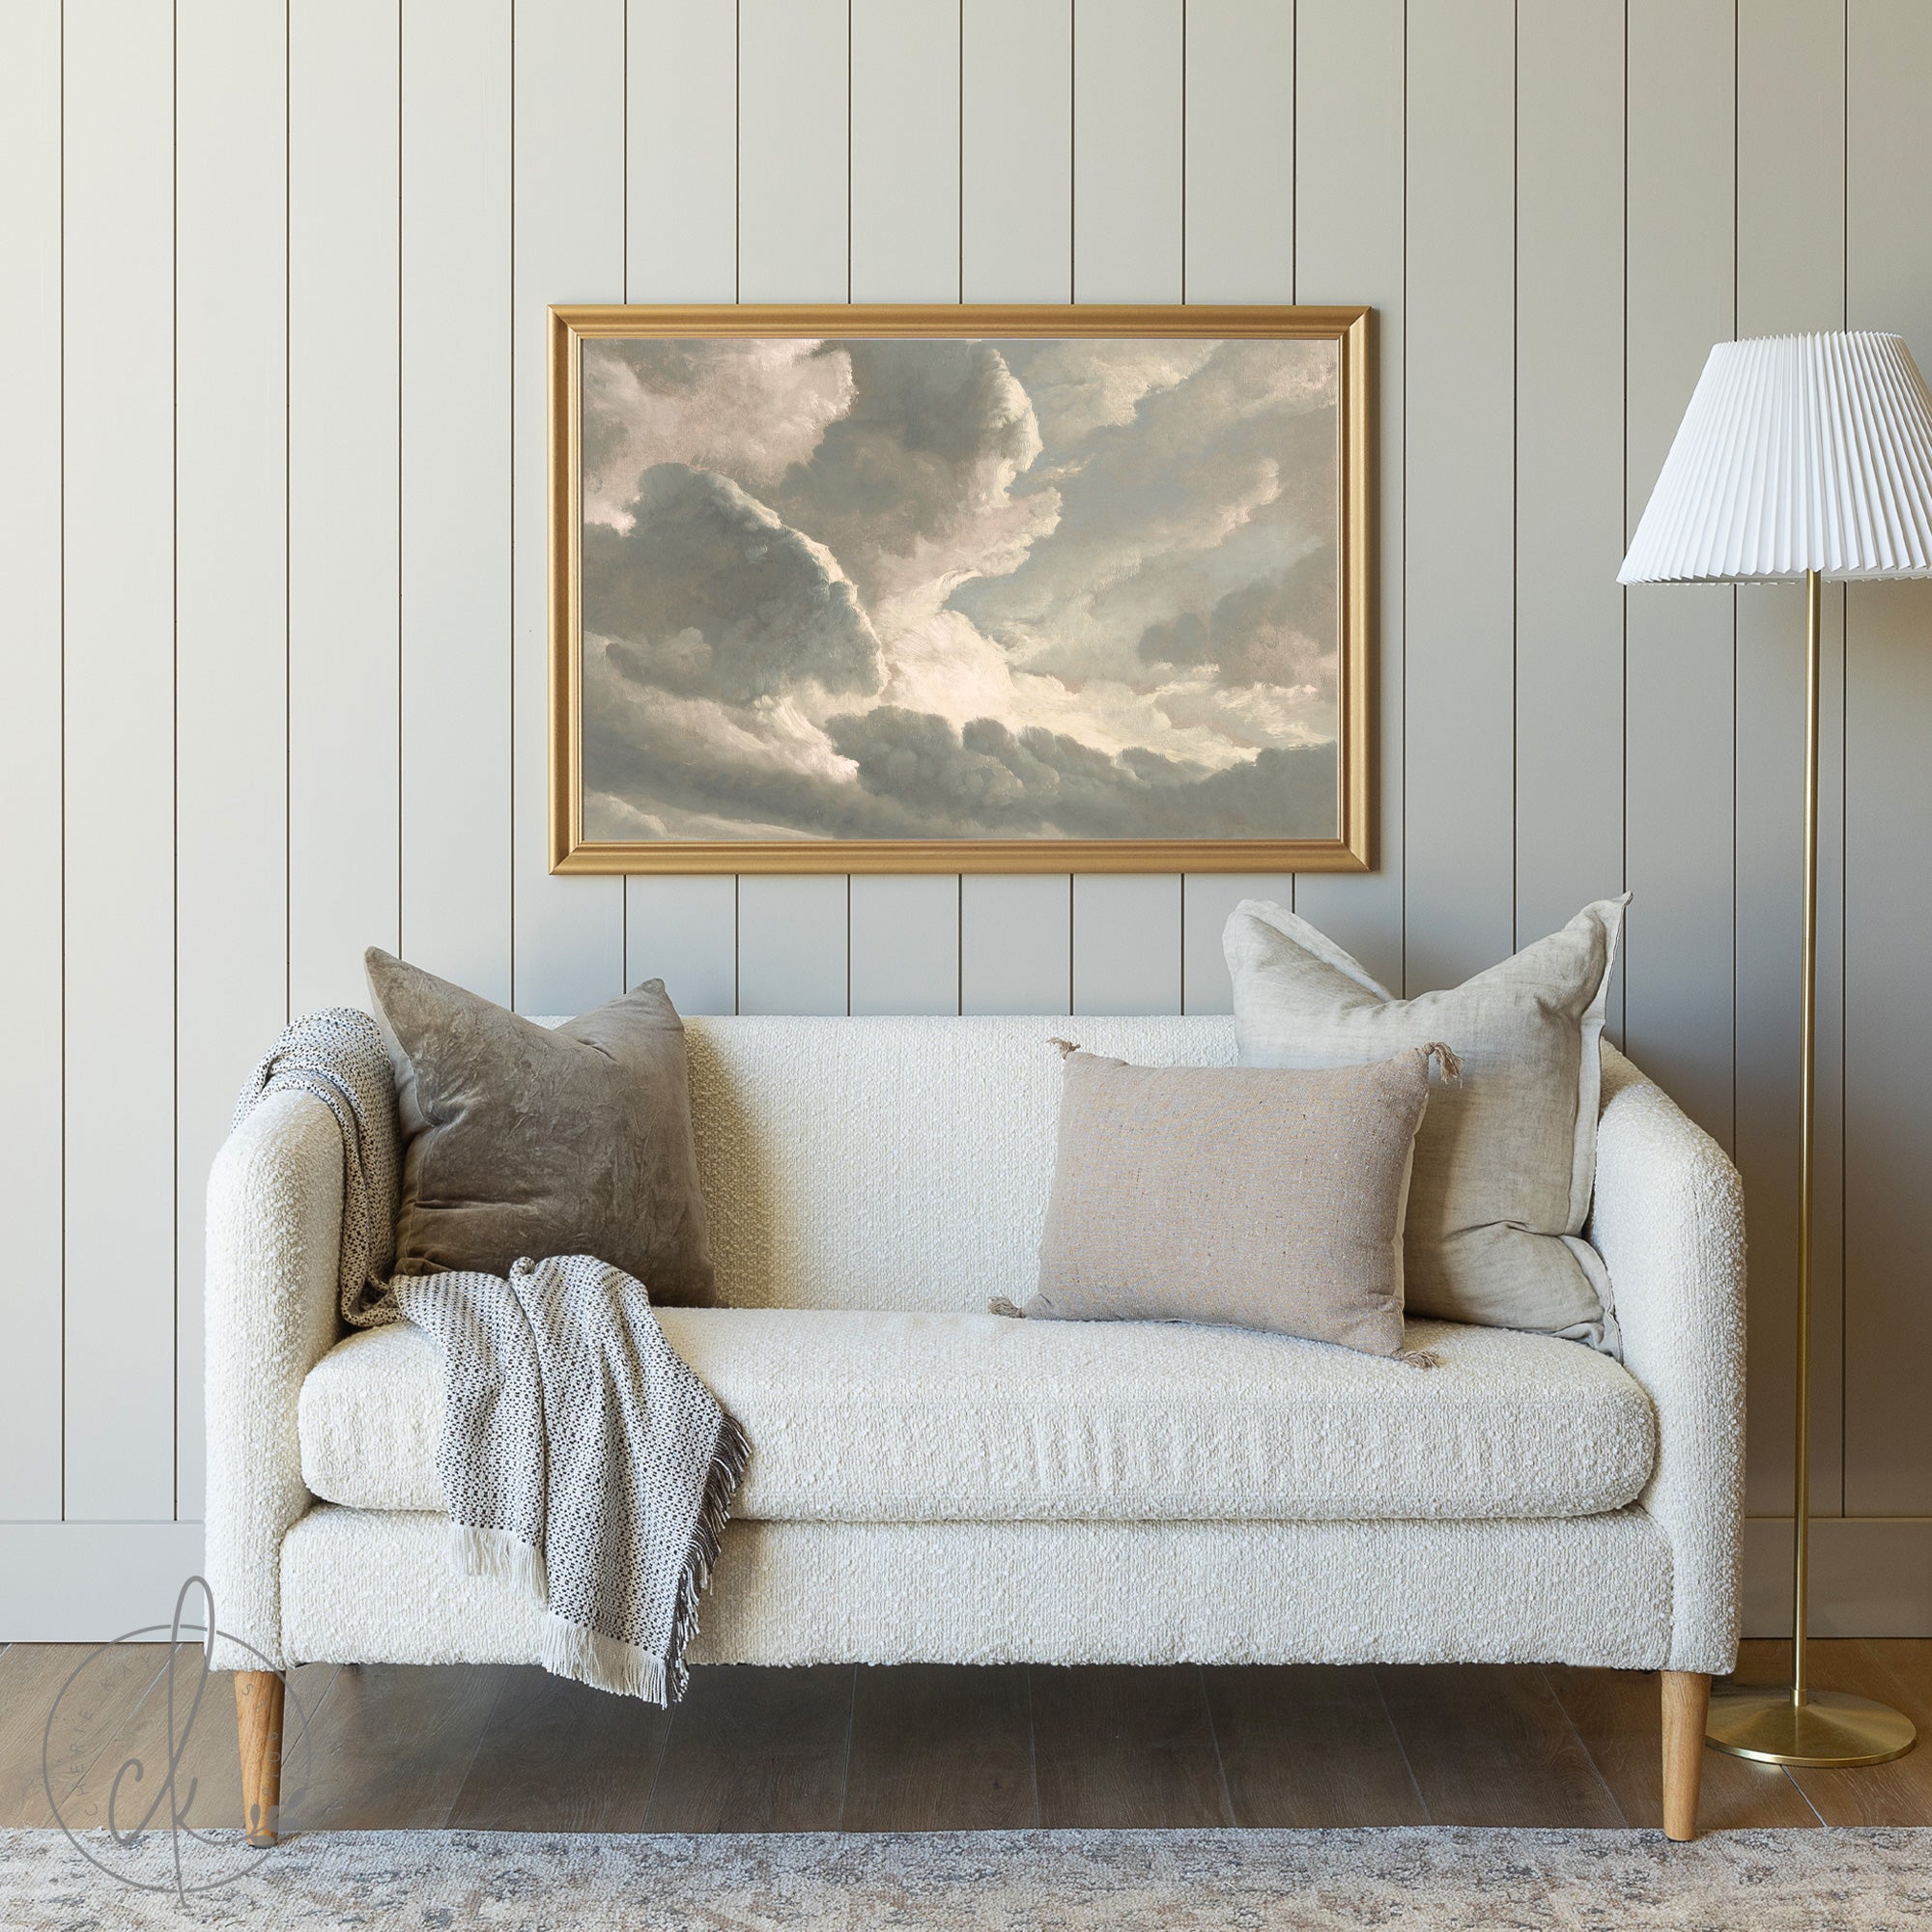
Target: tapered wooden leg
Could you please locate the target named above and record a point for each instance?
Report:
(258, 1726)
(1687, 1705)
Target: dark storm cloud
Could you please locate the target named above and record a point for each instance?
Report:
(654, 767)
(920, 462)
(1038, 781)
(919, 776)
(1279, 631)
(709, 593)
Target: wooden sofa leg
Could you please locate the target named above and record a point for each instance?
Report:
(258, 1726)
(1687, 1705)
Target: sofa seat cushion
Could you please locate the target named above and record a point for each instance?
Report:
(858, 1416)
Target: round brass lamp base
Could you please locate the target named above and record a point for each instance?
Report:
(1830, 1730)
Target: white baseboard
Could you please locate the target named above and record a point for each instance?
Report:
(1870, 1576)
(84, 1582)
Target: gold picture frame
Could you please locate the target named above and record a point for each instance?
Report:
(1351, 850)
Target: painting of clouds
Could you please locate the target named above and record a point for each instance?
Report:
(872, 588)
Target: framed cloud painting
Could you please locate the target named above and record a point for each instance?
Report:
(959, 589)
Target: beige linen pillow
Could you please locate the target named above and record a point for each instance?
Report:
(1250, 1197)
(1505, 1161)
(521, 1140)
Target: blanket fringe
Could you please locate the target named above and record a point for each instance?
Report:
(608, 1663)
(502, 1557)
(604, 1663)
(729, 1460)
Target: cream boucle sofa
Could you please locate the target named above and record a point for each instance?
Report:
(930, 1482)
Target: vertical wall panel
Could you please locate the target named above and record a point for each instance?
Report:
(906, 247)
(794, 128)
(118, 557)
(1016, 151)
(567, 238)
(1240, 151)
(343, 494)
(1126, 943)
(1569, 462)
(1460, 645)
(682, 151)
(1791, 270)
(1015, 943)
(1348, 244)
(684, 931)
(30, 752)
(793, 211)
(1239, 234)
(1678, 639)
(1016, 245)
(1888, 802)
(905, 943)
(1016, 940)
(230, 839)
(1887, 1337)
(1205, 901)
(791, 943)
(1126, 150)
(1127, 158)
(905, 151)
(456, 490)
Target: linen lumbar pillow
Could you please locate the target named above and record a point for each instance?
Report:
(1506, 1159)
(520, 1141)
(1247, 1197)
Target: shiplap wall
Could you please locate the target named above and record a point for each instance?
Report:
(272, 511)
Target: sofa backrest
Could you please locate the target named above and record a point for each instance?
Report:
(893, 1163)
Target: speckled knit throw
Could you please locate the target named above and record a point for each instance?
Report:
(582, 1459)
(337, 1057)
(1213, 1881)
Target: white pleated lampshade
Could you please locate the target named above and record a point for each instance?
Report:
(1798, 452)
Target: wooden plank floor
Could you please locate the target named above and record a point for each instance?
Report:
(931, 1748)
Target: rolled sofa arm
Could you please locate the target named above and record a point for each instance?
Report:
(274, 1227)
(1669, 1222)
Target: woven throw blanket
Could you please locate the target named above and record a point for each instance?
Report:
(582, 1459)
(338, 1057)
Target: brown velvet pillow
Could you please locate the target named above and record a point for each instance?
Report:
(520, 1141)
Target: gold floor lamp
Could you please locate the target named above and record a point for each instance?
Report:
(1800, 456)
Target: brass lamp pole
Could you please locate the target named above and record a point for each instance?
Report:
(1798, 456)
(1797, 1725)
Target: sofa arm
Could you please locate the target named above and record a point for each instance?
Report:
(1669, 1222)
(274, 1227)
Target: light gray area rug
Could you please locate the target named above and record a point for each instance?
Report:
(1822, 1881)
